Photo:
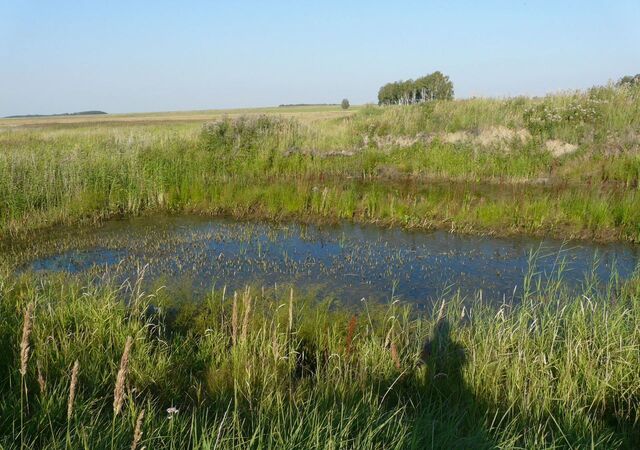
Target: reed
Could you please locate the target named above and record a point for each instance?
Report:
(234, 319)
(27, 328)
(137, 432)
(119, 389)
(290, 323)
(351, 330)
(394, 355)
(73, 385)
(42, 383)
(247, 314)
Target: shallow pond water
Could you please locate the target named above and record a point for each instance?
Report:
(347, 261)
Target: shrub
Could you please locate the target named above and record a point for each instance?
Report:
(250, 133)
(547, 118)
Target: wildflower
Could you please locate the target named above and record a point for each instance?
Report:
(172, 411)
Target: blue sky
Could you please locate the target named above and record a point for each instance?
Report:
(126, 56)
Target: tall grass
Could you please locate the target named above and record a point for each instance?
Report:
(276, 167)
(275, 369)
(558, 370)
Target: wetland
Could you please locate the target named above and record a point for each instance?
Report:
(343, 261)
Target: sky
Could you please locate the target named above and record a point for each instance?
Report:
(138, 56)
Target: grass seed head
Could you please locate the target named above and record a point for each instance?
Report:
(27, 327)
(137, 433)
(234, 319)
(72, 389)
(118, 392)
(351, 330)
(42, 383)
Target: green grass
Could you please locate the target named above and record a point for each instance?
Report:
(276, 166)
(52, 175)
(557, 371)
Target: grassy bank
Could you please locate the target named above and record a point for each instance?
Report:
(273, 370)
(565, 165)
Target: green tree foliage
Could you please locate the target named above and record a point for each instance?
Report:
(345, 103)
(629, 80)
(435, 86)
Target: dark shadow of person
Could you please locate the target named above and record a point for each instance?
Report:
(452, 417)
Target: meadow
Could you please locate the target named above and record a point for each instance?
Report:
(110, 365)
(564, 165)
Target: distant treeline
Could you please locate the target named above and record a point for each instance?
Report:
(435, 86)
(80, 113)
(629, 80)
(288, 105)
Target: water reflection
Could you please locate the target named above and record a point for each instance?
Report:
(346, 261)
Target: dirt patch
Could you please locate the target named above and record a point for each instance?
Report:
(387, 141)
(493, 136)
(487, 137)
(559, 148)
(318, 153)
(456, 137)
(502, 134)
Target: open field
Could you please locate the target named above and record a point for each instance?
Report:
(89, 362)
(304, 113)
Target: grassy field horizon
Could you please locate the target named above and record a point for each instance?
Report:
(319, 111)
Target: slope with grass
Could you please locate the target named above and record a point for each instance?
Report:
(562, 165)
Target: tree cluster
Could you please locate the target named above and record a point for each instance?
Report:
(435, 86)
(629, 80)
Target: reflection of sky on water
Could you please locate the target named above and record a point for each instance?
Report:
(345, 261)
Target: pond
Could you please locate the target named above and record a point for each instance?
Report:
(347, 261)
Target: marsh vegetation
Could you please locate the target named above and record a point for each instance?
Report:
(126, 356)
(566, 166)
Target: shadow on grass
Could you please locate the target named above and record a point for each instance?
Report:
(451, 415)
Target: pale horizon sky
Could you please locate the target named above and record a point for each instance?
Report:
(141, 56)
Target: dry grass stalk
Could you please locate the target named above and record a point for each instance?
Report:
(234, 319)
(274, 344)
(387, 339)
(394, 355)
(441, 312)
(27, 327)
(224, 294)
(247, 312)
(72, 389)
(351, 330)
(41, 381)
(118, 392)
(290, 311)
(137, 433)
